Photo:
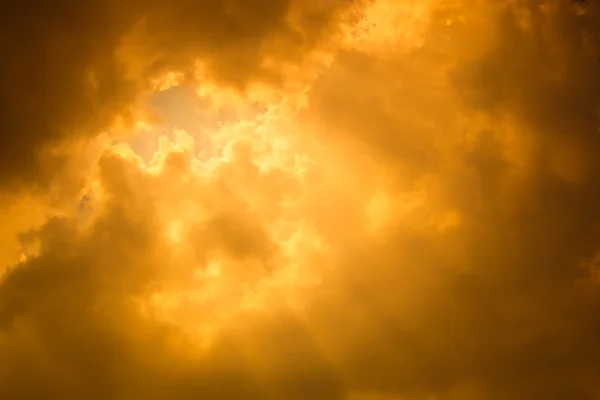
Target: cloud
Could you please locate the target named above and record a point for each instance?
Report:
(69, 81)
(502, 132)
(110, 302)
(422, 224)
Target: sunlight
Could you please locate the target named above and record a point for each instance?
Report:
(263, 163)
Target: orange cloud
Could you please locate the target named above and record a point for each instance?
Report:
(300, 199)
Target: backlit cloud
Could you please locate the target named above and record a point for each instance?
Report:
(375, 200)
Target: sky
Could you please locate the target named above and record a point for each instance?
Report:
(300, 199)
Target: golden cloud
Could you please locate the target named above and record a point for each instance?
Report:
(300, 199)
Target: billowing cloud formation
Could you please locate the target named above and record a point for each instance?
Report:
(419, 223)
(71, 68)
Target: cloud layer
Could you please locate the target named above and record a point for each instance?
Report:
(375, 200)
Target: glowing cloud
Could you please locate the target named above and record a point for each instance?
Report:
(297, 199)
